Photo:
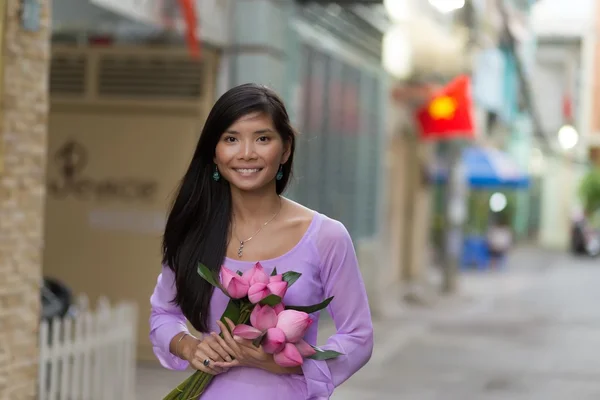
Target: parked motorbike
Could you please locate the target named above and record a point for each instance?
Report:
(585, 240)
(57, 299)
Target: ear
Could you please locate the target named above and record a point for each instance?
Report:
(287, 151)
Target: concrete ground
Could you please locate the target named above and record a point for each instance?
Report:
(531, 331)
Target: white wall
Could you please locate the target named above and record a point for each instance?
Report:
(550, 80)
(566, 18)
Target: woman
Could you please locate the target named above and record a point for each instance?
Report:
(229, 211)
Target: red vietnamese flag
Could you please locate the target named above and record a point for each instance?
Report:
(188, 9)
(449, 113)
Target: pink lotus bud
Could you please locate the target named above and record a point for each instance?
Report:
(278, 288)
(274, 341)
(276, 278)
(294, 324)
(305, 349)
(288, 357)
(279, 308)
(256, 275)
(235, 285)
(257, 292)
(263, 317)
(246, 332)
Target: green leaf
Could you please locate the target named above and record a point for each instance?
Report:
(324, 354)
(290, 277)
(270, 300)
(232, 312)
(209, 276)
(274, 271)
(311, 309)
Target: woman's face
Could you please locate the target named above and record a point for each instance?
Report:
(250, 151)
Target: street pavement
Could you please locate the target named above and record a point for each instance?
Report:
(529, 331)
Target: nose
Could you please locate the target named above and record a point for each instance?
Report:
(247, 150)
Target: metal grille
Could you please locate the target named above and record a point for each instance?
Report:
(67, 74)
(147, 77)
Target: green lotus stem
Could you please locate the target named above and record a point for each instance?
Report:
(197, 387)
(175, 393)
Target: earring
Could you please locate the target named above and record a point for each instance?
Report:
(216, 175)
(279, 175)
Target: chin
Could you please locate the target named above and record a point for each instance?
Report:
(250, 186)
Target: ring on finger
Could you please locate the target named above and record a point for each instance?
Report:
(206, 362)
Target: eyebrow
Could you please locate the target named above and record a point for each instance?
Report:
(259, 132)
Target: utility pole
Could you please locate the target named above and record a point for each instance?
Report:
(455, 215)
(456, 188)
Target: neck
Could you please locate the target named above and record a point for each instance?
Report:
(254, 209)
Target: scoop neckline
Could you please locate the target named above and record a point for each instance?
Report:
(303, 239)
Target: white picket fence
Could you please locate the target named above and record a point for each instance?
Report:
(90, 355)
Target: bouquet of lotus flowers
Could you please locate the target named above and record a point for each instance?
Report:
(256, 308)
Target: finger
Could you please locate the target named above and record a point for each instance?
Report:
(227, 365)
(211, 368)
(249, 348)
(221, 347)
(207, 346)
(226, 332)
(225, 346)
(201, 356)
(230, 323)
(229, 340)
(244, 342)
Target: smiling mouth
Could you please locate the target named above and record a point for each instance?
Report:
(247, 171)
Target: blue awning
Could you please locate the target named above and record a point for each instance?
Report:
(488, 168)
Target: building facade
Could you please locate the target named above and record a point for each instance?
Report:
(565, 68)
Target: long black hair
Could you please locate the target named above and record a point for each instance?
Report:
(197, 228)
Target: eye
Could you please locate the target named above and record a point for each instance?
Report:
(263, 139)
(229, 139)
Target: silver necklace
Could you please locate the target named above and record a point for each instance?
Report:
(242, 242)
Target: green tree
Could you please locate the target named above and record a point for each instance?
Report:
(589, 191)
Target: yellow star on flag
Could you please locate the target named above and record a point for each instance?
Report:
(442, 107)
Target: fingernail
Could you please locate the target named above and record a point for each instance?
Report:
(237, 338)
(228, 359)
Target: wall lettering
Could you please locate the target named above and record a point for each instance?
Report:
(71, 160)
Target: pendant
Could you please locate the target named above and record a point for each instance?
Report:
(241, 249)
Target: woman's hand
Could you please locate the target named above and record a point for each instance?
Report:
(209, 348)
(245, 354)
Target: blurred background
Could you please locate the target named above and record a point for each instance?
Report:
(457, 140)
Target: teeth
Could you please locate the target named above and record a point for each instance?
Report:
(247, 171)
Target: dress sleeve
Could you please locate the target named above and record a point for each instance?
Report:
(349, 309)
(166, 321)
